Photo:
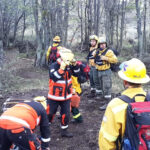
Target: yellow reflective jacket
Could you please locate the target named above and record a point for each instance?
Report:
(49, 50)
(111, 59)
(76, 85)
(114, 119)
(91, 61)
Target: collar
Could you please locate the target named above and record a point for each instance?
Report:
(131, 92)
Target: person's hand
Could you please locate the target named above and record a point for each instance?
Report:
(104, 58)
(94, 53)
(73, 62)
(63, 65)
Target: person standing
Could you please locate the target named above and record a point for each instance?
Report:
(90, 57)
(133, 74)
(53, 51)
(103, 59)
(60, 88)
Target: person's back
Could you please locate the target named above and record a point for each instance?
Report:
(53, 51)
(133, 73)
(23, 118)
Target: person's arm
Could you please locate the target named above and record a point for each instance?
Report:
(48, 53)
(44, 129)
(56, 71)
(110, 57)
(109, 131)
(75, 69)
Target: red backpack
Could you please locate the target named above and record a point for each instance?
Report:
(137, 131)
(54, 55)
(84, 72)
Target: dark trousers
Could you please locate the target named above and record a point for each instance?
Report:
(65, 110)
(22, 138)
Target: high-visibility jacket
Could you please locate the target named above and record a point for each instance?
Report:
(27, 115)
(114, 119)
(49, 50)
(90, 56)
(60, 82)
(106, 64)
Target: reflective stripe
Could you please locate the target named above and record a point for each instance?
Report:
(46, 140)
(22, 105)
(57, 75)
(37, 121)
(64, 81)
(77, 70)
(119, 108)
(59, 97)
(98, 91)
(76, 116)
(17, 120)
(52, 70)
(108, 136)
(107, 96)
(64, 127)
(93, 89)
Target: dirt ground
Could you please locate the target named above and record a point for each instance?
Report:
(29, 82)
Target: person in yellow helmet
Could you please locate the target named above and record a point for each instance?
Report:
(90, 58)
(53, 51)
(133, 74)
(104, 57)
(60, 88)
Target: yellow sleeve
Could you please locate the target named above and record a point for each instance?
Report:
(111, 57)
(48, 53)
(109, 131)
(76, 84)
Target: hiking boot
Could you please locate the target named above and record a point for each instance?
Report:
(65, 133)
(103, 107)
(91, 95)
(74, 121)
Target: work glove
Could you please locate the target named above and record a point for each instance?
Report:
(104, 58)
(63, 65)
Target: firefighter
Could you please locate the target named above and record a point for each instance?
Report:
(60, 88)
(90, 57)
(18, 122)
(103, 59)
(53, 51)
(133, 74)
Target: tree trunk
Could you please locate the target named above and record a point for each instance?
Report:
(139, 30)
(144, 27)
(122, 24)
(1, 54)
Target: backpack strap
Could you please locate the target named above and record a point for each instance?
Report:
(132, 100)
(126, 99)
(147, 97)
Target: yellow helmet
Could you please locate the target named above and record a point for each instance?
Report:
(102, 40)
(134, 71)
(42, 100)
(66, 55)
(94, 37)
(56, 39)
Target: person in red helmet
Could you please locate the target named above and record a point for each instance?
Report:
(18, 122)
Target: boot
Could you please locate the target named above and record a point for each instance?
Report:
(65, 133)
(91, 95)
(103, 107)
